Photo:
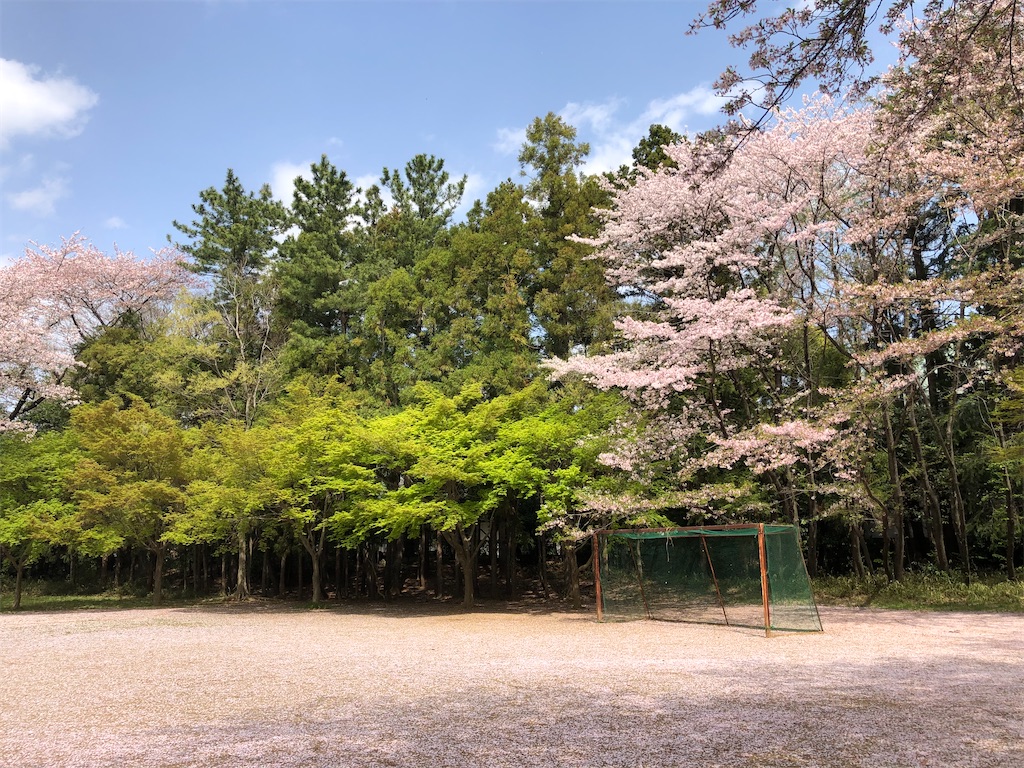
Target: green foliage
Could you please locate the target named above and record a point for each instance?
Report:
(926, 591)
(233, 236)
(129, 483)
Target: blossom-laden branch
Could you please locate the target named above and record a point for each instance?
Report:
(55, 298)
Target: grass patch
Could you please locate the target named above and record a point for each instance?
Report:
(923, 591)
(46, 595)
(103, 601)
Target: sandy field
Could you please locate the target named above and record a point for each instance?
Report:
(432, 686)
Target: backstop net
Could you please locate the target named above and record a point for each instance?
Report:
(741, 575)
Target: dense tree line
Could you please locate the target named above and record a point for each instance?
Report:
(814, 319)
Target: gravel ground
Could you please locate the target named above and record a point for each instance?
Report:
(430, 686)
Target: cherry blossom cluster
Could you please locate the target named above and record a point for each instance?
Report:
(55, 298)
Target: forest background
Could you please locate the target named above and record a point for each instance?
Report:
(814, 318)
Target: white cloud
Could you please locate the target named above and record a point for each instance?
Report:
(612, 137)
(612, 140)
(34, 105)
(366, 181)
(22, 166)
(477, 188)
(598, 117)
(41, 200)
(510, 141)
(282, 179)
(115, 222)
(674, 111)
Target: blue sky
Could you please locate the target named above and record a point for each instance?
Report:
(114, 115)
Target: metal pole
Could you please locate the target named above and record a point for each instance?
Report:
(714, 578)
(763, 557)
(638, 563)
(597, 579)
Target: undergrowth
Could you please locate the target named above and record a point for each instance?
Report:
(932, 590)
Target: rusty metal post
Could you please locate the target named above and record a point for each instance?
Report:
(763, 557)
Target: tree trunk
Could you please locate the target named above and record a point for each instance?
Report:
(421, 563)
(945, 440)
(508, 552)
(492, 547)
(19, 577)
(337, 572)
(466, 547)
(370, 572)
(930, 497)
(572, 574)
(242, 578)
(542, 564)
(438, 566)
(343, 587)
(158, 574)
(812, 547)
(1011, 528)
(899, 553)
(206, 568)
(282, 578)
(317, 588)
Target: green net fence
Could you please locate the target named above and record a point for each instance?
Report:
(707, 575)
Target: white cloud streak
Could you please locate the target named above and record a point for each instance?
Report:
(42, 200)
(282, 179)
(509, 141)
(37, 105)
(612, 137)
(613, 140)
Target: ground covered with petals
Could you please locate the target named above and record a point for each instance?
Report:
(430, 686)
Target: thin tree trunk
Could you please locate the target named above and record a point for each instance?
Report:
(282, 574)
(896, 482)
(572, 573)
(466, 547)
(19, 577)
(542, 564)
(1011, 528)
(438, 566)
(265, 570)
(158, 575)
(337, 572)
(931, 498)
(345, 575)
(195, 569)
(492, 547)
(242, 577)
(421, 560)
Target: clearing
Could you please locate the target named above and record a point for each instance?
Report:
(427, 685)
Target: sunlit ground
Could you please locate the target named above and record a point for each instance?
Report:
(429, 685)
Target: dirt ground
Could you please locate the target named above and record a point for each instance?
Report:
(432, 686)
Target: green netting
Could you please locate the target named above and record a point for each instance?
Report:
(705, 575)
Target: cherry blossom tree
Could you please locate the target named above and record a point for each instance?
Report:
(829, 43)
(56, 297)
(796, 287)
